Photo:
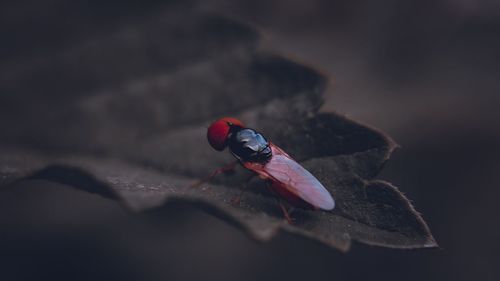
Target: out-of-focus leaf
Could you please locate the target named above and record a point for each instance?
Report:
(133, 129)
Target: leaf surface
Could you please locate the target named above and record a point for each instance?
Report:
(134, 131)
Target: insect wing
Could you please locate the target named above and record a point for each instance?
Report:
(281, 167)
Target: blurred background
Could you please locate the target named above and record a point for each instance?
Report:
(425, 72)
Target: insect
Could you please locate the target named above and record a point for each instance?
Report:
(286, 178)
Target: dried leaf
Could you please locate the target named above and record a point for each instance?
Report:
(140, 139)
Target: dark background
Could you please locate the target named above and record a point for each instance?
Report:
(426, 72)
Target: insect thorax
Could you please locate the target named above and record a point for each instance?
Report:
(249, 145)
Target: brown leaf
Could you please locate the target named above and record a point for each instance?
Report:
(140, 139)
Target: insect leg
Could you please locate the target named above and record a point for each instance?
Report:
(236, 200)
(287, 216)
(215, 173)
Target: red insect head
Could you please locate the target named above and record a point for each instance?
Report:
(218, 132)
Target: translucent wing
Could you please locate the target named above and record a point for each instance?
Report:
(292, 176)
